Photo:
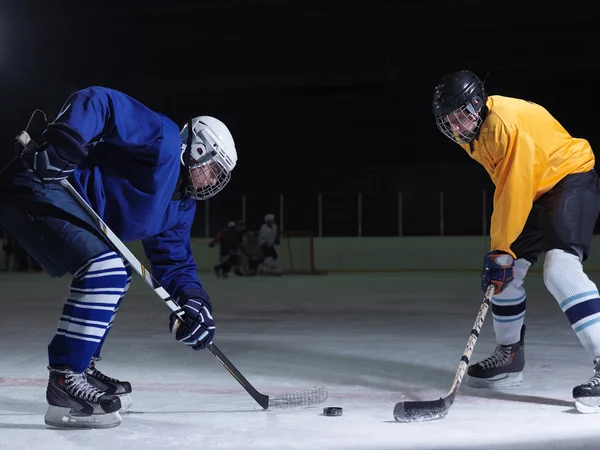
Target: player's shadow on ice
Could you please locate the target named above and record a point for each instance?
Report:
(519, 398)
(351, 370)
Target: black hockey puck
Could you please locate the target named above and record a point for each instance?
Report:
(333, 411)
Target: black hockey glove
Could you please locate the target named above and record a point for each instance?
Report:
(50, 153)
(497, 270)
(198, 326)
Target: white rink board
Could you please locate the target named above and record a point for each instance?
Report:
(372, 340)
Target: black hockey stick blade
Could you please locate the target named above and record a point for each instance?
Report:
(421, 411)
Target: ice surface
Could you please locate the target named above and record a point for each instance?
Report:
(372, 340)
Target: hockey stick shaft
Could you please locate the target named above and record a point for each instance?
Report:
(466, 357)
(114, 241)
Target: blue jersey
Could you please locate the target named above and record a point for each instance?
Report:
(129, 177)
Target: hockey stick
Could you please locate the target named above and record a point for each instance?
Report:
(302, 398)
(419, 411)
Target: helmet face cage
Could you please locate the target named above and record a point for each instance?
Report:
(208, 173)
(207, 180)
(461, 125)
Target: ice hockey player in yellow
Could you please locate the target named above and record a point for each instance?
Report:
(547, 199)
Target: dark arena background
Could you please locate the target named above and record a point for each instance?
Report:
(329, 103)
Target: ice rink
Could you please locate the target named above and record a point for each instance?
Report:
(372, 340)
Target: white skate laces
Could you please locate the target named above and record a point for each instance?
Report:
(500, 358)
(79, 386)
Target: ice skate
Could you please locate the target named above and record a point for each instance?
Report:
(587, 395)
(75, 403)
(504, 368)
(110, 386)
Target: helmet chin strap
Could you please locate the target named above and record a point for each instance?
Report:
(184, 173)
(185, 156)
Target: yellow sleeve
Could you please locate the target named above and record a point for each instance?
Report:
(517, 176)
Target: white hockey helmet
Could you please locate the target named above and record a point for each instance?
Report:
(209, 154)
(270, 217)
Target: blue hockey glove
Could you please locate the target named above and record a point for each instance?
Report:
(45, 165)
(198, 327)
(497, 270)
(50, 153)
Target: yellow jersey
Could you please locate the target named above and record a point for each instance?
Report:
(526, 153)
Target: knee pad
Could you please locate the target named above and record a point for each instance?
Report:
(104, 271)
(564, 276)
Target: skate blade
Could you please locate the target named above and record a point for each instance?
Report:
(59, 417)
(126, 403)
(588, 405)
(499, 381)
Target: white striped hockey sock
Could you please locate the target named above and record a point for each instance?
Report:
(577, 296)
(112, 319)
(508, 307)
(96, 290)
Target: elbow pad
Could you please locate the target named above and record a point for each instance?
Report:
(67, 142)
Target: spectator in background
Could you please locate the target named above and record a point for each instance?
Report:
(228, 240)
(251, 253)
(268, 239)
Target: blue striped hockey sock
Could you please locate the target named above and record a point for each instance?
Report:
(577, 296)
(96, 290)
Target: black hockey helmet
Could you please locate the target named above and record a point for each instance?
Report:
(457, 105)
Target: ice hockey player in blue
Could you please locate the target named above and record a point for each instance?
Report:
(142, 175)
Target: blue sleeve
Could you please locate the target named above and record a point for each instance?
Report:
(172, 262)
(100, 113)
